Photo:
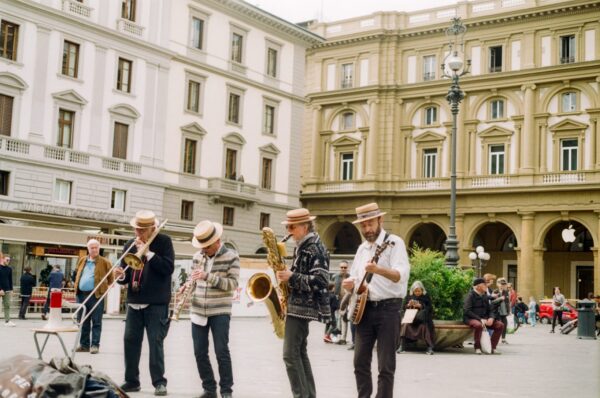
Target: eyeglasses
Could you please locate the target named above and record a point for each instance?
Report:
(343, 267)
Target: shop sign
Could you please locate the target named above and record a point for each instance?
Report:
(73, 212)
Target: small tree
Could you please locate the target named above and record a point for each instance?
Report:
(446, 286)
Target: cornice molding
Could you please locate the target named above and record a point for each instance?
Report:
(504, 18)
(256, 16)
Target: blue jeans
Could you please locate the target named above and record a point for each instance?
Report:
(218, 325)
(93, 322)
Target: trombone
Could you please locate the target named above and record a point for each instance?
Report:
(133, 261)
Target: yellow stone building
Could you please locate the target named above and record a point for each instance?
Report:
(378, 128)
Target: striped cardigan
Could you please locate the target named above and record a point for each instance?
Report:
(214, 296)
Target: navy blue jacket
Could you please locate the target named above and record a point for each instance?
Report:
(6, 278)
(155, 280)
(27, 284)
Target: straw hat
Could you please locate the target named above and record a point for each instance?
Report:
(298, 216)
(206, 233)
(367, 212)
(144, 219)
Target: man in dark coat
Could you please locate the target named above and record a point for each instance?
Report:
(27, 284)
(148, 297)
(477, 314)
(308, 299)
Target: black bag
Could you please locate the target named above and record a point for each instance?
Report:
(23, 377)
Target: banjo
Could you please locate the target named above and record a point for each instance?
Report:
(358, 298)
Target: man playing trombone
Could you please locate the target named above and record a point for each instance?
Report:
(148, 297)
(92, 279)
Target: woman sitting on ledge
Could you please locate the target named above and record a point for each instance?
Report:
(421, 327)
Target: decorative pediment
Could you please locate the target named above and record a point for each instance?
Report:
(346, 141)
(125, 111)
(12, 80)
(193, 128)
(70, 96)
(568, 125)
(234, 138)
(430, 136)
(495, 131)
(270, 149)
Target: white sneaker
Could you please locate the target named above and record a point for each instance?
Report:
(10, 324)
(478, 351)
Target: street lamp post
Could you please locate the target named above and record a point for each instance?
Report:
(454, 60)
(479, 259)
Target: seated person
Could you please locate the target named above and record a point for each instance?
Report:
(520, 310)
(477, 313)
(421, 327)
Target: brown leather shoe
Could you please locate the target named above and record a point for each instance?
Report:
(44, 317)
(82, 349)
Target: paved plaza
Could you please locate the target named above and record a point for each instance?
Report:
(534, 364)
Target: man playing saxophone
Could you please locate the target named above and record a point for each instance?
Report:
(308, 299)
(211, 305)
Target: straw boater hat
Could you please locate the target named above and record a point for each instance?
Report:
(206, 233)
(144, 219)
(298, 216)
(367, 212)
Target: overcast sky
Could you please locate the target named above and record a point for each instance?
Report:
(332, 10)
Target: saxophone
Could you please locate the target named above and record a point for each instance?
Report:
(261, 288)
(189, 289)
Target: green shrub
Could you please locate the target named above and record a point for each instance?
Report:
(446, 286)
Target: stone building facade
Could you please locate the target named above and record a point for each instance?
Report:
(378, 128)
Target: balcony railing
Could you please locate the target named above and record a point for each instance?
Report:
(563, 178)
(423, 184)
(428, 76)
(129, 27)
(495, 69)
(58, 155)
(76, 8)
(223, 184)
(490, 182)
(567, 60)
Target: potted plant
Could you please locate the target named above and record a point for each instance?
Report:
(446, 287)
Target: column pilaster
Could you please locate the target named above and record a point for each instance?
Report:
(526, 267)
(315, 169)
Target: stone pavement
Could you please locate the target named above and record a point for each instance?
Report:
(534, 364)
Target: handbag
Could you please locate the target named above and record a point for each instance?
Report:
(485, 342)
(420, 317)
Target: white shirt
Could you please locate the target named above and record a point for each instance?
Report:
(394, 257)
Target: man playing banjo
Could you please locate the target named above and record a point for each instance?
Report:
(380, 321)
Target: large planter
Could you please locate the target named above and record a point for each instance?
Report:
(448, 334)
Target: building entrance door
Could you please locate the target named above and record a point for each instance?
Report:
(584, 275)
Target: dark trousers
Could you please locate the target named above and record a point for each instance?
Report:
(47, 303)
(556, 315)
(155, 320)
(379, 324)
(219, 327)
(476, 325)
(295, 357)
(93, 322)
(504, 320)
(24, 305)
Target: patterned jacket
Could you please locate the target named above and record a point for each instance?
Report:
(213, 296)
(309, 297)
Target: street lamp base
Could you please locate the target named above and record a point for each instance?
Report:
(452, 256)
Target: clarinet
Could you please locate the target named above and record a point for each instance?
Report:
(189, 289)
